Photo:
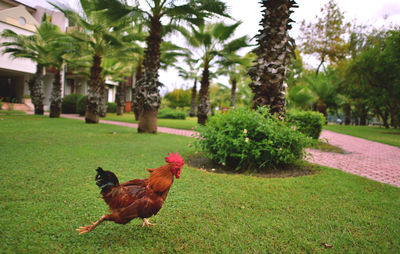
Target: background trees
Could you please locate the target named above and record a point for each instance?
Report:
(97, 35)
(211, 40)
(325, 38)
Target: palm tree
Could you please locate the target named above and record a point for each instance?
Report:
(97, 33)
(30, 47)
(230, 65)
(268, 72)
(211, 40)
(192, 73)
(324, 88)
(187, 11)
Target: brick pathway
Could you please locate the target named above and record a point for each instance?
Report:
(365, 158)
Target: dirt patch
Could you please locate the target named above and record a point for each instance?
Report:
(301, 168)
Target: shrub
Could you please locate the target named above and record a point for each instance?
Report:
(309, 123)
(244, 139)
(1, 104)
(111, 107)
(171, 113)
(69, 103)
(81, 105)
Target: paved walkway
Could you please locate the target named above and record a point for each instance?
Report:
(366, 158)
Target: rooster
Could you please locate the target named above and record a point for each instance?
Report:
(138, 198)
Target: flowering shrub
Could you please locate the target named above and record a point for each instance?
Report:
(246, 140)
(309, 123)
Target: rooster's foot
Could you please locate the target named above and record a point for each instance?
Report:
(87, 228)
(147, 223)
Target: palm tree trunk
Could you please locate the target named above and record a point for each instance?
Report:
(393, 116)
(193, 102)
(120, 98)
(138, 76)
(204, 105)
(95, 82)
(268, 74)
(233, 92)
(148, 95)
(36, 90)
(347, 116)
(55, 105)
(103, 100)
(321, 106)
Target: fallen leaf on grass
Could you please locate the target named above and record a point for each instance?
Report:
(327, 245)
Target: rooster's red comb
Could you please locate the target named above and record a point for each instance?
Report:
(174, 158)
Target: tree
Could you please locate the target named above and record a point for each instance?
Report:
(375, 73)
(274, 45)
(178, 98)
(48, 47)
(211, 40)
(188, 11)
(193, 74)
(97, 34)
(30, 47)
(230, 65)
(325, 37)
(324, 89)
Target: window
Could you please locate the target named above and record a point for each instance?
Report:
(22, 21)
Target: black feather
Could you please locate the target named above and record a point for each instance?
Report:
(106, 178)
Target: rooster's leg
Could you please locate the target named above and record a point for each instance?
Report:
(89, 228)
(146, 223)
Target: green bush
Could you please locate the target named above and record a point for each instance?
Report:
(171, 113)
(250, 140)
(69, 103)
(1, 104)
(309, 123)
(111, 107)
(81, 105)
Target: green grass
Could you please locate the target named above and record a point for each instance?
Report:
(11, 112)
(378, 134)
(326, 147)
(47, 191)
(187, 124)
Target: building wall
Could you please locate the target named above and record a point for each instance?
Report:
(16, 64)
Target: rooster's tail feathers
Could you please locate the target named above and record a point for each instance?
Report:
(105, 179)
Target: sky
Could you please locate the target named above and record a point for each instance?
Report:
(377, 13)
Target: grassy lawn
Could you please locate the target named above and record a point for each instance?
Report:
(47, 169)
(187, 124)
(11, 112)
(381, 135)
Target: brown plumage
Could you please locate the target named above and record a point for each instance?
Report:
(138, 198)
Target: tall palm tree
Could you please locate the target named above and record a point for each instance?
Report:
(176, 12)
(58, 51)
(48, 47)
(324, 88)
(230, 66)
(211, 40)
(97, 33)
(30, 47)
(268, 72)
(192, 73)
